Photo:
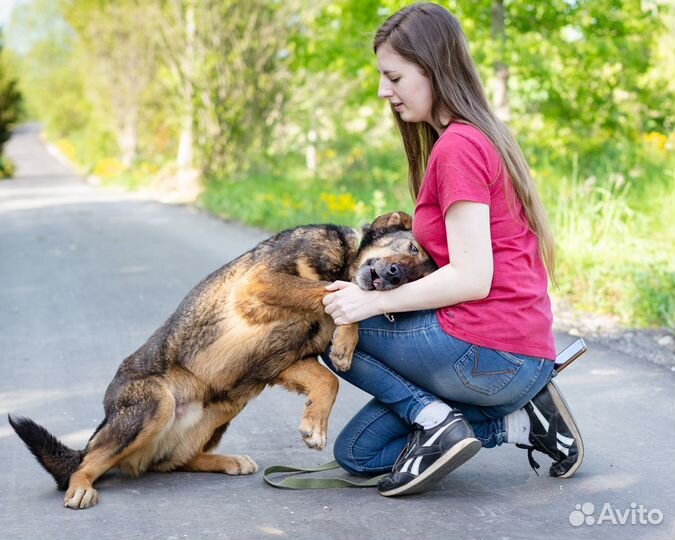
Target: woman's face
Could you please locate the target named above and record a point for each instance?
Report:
(404, 86)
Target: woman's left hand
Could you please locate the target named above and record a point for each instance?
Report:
(349, 303)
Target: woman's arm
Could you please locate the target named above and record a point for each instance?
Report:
(467, 277)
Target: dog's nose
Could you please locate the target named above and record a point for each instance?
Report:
(394, 274)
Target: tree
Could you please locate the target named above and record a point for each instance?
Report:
(177, 33)
(119, 56)
(241, 80)
(10, 99)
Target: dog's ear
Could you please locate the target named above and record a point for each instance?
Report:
(393, 219)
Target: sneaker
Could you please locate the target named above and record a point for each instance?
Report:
(554, 433)
(429, 455)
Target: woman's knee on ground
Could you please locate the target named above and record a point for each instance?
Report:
(343, 453)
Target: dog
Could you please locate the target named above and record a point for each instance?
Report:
(257, 321)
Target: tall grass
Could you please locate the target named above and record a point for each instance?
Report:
(613, 228)
(612, 213)
(615, 245)
(350, 189)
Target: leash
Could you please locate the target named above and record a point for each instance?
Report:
(295, 481)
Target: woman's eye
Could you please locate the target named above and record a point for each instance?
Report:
(413, 249)
(395, 80)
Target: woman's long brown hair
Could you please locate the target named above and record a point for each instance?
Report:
(431, 38)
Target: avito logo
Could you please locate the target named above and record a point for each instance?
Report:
(584, 514)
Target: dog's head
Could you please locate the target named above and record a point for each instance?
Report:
(388, 255)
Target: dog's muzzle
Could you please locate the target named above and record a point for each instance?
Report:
(380, 276)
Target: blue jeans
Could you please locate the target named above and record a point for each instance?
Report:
(412, 362)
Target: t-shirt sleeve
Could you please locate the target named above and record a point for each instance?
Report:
(461, 172)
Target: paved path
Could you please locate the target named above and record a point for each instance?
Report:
(87, 275)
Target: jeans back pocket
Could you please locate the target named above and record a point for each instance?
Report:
(485, 370)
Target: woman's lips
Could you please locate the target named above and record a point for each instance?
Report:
(398, 107)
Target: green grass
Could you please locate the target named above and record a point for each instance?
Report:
(614, 231)
(615, 241)
(611, 214)
(349, 195)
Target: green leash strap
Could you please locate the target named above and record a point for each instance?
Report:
(293, 482)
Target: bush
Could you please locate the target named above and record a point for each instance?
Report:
(613, 227)
(6, 168)
(10, 100)
(653, 297)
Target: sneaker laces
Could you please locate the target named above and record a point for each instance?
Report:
(530, 457)
(412, 437)
(530, 450)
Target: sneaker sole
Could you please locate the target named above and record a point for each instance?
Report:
(448, 462)
(564, 409)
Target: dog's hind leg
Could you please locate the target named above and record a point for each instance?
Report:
(310, 378)
(129, 430)
(221, 464)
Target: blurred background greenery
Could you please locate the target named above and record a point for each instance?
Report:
(272, 105)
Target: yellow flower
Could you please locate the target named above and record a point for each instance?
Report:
(108, 168)
(66, 148)
(264, 197)
(344, 202)
(357, 153)
(656, 140)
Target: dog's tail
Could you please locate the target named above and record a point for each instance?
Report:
(59, 460)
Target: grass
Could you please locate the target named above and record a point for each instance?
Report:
(611, 213)
(613, 230)
(615, 241)
(352, 195)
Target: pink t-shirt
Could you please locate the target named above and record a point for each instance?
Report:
(516, 316)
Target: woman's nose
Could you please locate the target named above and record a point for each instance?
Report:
(384, 91)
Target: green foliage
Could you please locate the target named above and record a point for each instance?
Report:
(6, 168)
(10, 101)
(11, 108)
(349, 188)
(276, 103)
(242, 81)
(615, 234)
(653, 297)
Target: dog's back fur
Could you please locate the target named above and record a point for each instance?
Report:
(256, 321)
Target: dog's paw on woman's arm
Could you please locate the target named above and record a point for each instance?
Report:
(345, 338)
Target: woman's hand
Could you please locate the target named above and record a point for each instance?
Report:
(350, 304)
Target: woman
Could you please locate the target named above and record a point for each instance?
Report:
(466, 361)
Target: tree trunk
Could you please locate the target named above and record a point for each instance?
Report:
(185, 143)
(127, 139)
(500, 84)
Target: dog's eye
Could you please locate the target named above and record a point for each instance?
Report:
(413, 249)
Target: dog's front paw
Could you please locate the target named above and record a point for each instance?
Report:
(236, 465)
(80, 497)
(341, 357)
(313, 434)
(345, 338)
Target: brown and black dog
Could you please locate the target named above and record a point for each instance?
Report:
(257, 321)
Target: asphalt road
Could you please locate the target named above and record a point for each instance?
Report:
(86, 275)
